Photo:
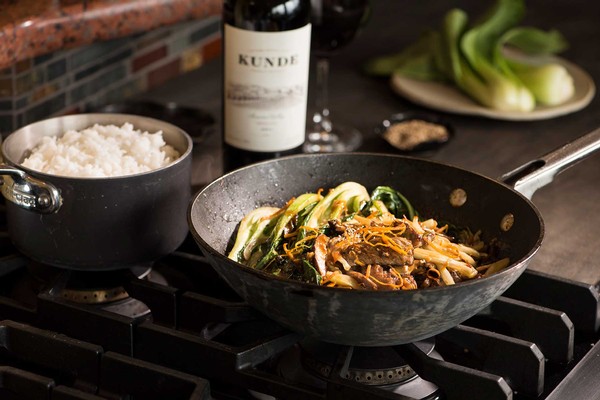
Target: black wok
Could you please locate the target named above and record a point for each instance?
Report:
(373, 318)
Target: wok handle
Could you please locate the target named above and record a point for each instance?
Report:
(538, 173)
(28, 192)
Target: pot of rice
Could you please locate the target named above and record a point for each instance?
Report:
(97, 191)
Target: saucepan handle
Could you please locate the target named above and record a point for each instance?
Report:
(28, 192)
(538, 173)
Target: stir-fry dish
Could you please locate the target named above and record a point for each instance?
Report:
(352, 239)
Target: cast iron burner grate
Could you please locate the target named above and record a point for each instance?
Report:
(37, 364)
(198, 331)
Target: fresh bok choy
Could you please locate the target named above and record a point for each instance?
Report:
(349, 196)
(385, 198)
(485, 60)
(549, 82)
(268, 232)
(294, 208)
(352, 239)
(253, 231)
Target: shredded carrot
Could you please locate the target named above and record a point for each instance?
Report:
(393, 285)
(288, 253)
(363, 220)
(386, 234)
(396, 273)
(358, 262)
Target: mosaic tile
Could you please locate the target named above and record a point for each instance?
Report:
(212, 26)
(191, 59)
(91, 87)
(103, 64)
(158, 36)
(43, 58)
(6, 124)
(6, 87)
(212, 49)
(28, 81)
(115, 95)
(148, 58)
(56, 69)
(95, 51)
(44, 91)
(163, 73)
(6, 72)
(45, 109)
(104, 72)
(23, 66)
(21, 103)
(179, 44)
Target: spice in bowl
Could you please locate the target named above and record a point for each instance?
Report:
(410, 134)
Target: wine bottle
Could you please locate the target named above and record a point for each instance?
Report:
(266, 50)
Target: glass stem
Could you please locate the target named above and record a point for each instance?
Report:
(321, 120)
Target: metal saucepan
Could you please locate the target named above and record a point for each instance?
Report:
(377, 318)
(95, 223)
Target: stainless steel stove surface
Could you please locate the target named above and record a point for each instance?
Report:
(190, 337)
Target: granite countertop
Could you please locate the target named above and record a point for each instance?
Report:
(29, 28)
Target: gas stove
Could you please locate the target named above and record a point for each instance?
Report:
(175, 330)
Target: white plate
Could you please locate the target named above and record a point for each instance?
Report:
(447, 98)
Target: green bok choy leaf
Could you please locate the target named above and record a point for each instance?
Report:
(254, 230)
(348, 196)
(474, 58)
(393, 201)
(291, 211)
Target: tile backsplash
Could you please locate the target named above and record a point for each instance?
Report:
(70, 81)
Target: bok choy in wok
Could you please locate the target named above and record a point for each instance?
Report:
(352, 239)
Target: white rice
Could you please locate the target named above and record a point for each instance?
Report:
(101, 151)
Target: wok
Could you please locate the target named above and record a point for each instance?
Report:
(374, 318)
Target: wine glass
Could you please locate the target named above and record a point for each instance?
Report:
(334, 25)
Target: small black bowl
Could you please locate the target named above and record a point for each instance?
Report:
(411, 132)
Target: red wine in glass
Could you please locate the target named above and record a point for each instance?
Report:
(334, 25)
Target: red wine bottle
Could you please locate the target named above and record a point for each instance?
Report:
(266, 50)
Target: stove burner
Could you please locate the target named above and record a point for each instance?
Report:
(86, 296)
(378, 366)
(95, 287)
(311, 363)
(100, 290)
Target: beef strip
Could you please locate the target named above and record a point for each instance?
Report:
(420, 275)
(362, 253)
(383, 275)
(363, 280)
(381, 278)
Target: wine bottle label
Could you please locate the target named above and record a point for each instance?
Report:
(265, 88)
